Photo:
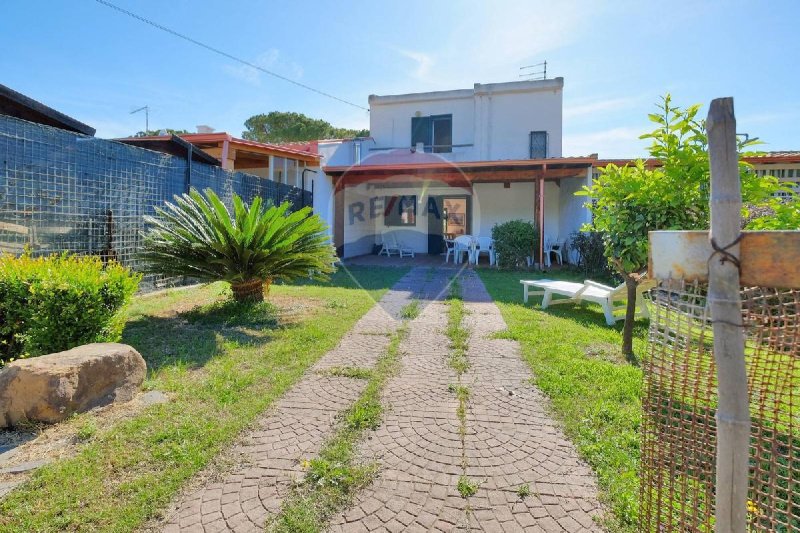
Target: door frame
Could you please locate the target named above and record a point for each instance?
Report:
(439, 233)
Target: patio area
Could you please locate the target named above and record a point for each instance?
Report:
(425, 204)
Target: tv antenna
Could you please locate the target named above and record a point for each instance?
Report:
(535, 72)
(146, 110)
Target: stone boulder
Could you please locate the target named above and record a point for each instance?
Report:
(51, 387)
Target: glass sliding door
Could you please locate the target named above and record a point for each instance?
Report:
(455, 217)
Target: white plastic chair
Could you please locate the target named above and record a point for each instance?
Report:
(402, 248)
(464, 244)
(552, 246)
(590, 291)
(485, 245)
(450, 249)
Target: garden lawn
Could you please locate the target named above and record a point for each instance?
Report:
(577, 361)
(222, 364)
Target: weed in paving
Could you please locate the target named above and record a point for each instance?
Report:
(334, 477)
(347, 372)
(410, 311)
(467, 487)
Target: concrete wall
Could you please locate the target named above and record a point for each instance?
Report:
(333, 153)
(507, 118)
(390, 122)
(493, 120)
(493, 204)
(572, 214)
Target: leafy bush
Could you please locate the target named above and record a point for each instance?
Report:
(250, 248)
(51, 304)
(591, 250)
(515, 241)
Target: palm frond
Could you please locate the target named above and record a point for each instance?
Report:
(199, 236)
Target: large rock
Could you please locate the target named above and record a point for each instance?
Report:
(51, 387)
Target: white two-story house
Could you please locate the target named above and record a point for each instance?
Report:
(447, 163)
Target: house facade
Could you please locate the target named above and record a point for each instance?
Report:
(448, 163)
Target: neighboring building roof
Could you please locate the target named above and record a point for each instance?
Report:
(204, 140)
(311, 147)
(200, 138)
(18, 105)
(173, 145)
(775, 157)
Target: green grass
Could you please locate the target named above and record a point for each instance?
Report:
(523, 491)
(457, 359)
(221, 364)
(576, 361)
(348, 372)
(410, 311)
(334, 476)
(456, 332)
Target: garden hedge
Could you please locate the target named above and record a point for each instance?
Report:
(51, 304)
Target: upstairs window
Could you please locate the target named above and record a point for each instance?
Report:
(538, 144)
(435, 132)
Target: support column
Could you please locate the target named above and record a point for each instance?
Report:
(228, 156)
(540, 194)
(338, 216)
(270, 170)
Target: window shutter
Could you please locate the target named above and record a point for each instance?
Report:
(421, 131)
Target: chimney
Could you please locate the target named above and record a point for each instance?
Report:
(202, 128)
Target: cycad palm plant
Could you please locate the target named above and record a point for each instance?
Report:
(198, 237)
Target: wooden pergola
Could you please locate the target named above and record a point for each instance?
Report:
(462, 175)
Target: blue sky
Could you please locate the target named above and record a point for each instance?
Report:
(617, 58)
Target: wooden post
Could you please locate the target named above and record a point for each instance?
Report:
(540, 191)
(733, 411)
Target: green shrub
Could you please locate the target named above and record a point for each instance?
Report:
(51, 304)
(515, 241)
(591, 250)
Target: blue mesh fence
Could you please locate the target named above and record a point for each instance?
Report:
(63, 191)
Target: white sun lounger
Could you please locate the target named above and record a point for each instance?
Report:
(590, 291)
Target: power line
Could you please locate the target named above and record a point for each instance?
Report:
(225, 54)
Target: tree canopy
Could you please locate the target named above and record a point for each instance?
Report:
(280, 126)
(155, 133)
(631, 200)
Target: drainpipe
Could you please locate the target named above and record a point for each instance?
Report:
(303, 187)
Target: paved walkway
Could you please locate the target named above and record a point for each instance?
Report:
(509, 439)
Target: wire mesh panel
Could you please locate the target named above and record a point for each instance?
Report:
(63, 191)
(680, 399)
